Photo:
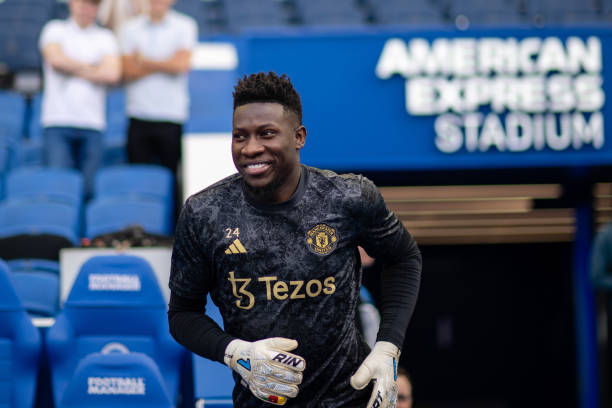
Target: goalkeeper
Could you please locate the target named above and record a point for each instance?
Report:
(275, 245)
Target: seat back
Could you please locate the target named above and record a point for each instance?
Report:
(115, 304)
(33, 218)
(45, 184)
(118, 380)
(20, 347)
(38, 292)
(33, 265)
(146, 181)
(107, 215)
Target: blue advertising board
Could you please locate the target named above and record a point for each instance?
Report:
(446, 99)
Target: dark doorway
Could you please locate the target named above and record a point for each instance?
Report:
(494, 327)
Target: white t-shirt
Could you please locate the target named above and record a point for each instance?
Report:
(159, 96)
(69, 100)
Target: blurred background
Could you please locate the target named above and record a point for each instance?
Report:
(484, 123)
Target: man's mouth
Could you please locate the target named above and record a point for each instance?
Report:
(254, 169)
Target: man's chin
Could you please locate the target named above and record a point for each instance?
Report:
(261, 190)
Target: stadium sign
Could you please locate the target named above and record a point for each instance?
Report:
(506, 94)
(439, 99)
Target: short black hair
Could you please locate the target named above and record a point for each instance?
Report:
(270, 87)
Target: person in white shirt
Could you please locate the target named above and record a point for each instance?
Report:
(80, 61)
(156, 52)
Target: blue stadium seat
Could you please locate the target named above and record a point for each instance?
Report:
(12, 114)
(20, 348)
(337, 12)
(205, 13)
(488, 12)
(118, 380)
(108, 215)
(37, 229)
(34, 265)
(135, 181)
(9, 153)
(45, 184)
(31, 148)
(246, 14)
(20, 25)
(38, 292)
(544, 12)
(115, 304)
(400, 12)
(146, 182)
(36, 282)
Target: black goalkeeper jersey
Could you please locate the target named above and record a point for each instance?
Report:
(289, 270)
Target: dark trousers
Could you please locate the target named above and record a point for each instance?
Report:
(154, 142)
(157, 142)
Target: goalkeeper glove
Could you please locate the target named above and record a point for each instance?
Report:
(271, 373)
(381, 366)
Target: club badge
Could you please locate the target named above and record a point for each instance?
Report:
(322, 239)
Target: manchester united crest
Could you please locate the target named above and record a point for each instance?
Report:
(322, 239)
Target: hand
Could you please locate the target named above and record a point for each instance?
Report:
(381, 366)
(271, 373)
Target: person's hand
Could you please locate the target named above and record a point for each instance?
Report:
(381, 366)
(273, 374)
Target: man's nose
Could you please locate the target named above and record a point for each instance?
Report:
(252, 147)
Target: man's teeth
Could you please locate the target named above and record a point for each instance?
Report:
(256, 165)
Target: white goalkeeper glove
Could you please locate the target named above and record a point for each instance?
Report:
(271, 373)
(381, 366)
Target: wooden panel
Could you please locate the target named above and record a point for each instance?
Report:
(486, 214)
(491, 235)
(602, 190)
(455, 193)
(461, 207)
(557, 216)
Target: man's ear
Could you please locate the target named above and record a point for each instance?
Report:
(300, 137)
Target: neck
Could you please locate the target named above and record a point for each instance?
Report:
(278, 191)
(157, 17)
(81, 24)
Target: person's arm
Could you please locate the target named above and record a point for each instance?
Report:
(192, 328)
(387, 240)
(401, 279)
(135, 66)
(53, 55)
(107, 72)
(179, 63)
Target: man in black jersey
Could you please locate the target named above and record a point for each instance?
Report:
(275, 246)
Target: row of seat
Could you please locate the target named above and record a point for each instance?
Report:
(216, 16)
(110, 338)
(46, 206)
(21, 21)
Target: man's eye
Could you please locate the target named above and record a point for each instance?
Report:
(239, 137)
(268, 132)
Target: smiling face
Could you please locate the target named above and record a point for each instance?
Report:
(266, 143)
